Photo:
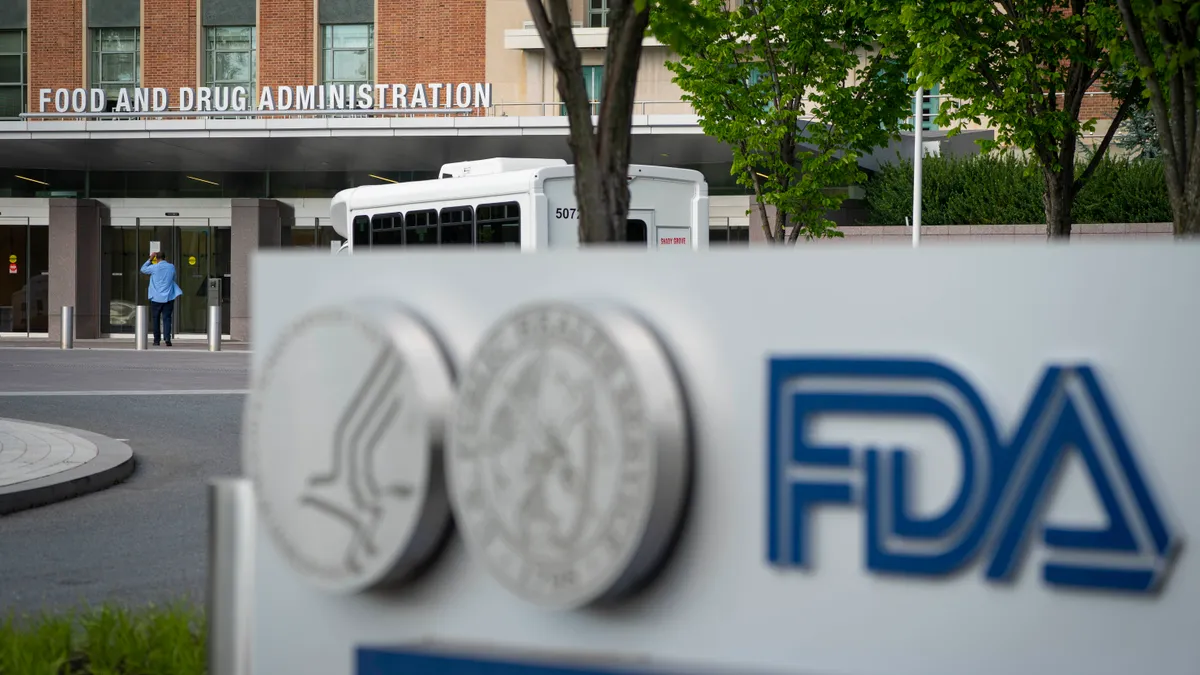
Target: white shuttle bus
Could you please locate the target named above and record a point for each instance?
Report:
(525, 203)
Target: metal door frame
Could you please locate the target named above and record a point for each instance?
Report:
(176, 254)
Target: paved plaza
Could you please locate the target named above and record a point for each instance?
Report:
(41, 464)
(170, 419)
(32, 451)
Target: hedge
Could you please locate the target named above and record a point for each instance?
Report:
(1006, 189)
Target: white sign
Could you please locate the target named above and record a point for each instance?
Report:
(305, 98)
(155, 247)
(965, 479)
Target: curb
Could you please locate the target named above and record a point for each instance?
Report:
(113, 464)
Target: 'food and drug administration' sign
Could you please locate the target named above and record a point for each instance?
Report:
(306, 98)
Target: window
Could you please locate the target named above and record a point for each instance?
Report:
(597, 13)
(760, 75)
(387, 229)
(593, 80)
(229, 57)
(116, 60)
(498, 224)
(457, 226)
(930, 102)
(361, 234)
(420, 228)
(348, 51)
(729, 236)
(635, 231)
(14, 73)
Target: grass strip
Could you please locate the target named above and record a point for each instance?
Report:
(111, 639)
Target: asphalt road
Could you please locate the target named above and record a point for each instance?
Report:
(144, 540)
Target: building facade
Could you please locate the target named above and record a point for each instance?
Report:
(212, 128)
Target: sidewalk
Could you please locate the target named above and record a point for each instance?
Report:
(180, 344)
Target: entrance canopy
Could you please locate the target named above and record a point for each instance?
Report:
(326, 144)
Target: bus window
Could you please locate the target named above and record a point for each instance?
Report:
(456, 226)
(635, 230)
(361, 236)
(420, 228)
(387, 229)
(498, 224)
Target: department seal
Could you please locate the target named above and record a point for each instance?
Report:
(569, 453)
(344, 432)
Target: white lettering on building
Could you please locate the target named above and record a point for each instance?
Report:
(418, 97)
(303, 98)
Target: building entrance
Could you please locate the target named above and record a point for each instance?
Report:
(199, 250)
(24, 277)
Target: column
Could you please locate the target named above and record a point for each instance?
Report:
(256, 224)
(75, 265)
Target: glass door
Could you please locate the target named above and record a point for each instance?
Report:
(24, 277)
(222, 268)
(198, 251)
(122, 286)
(192, 268)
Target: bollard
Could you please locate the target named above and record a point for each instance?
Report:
(230, 575)
(68, 327)
(141, 327)
(214, 328)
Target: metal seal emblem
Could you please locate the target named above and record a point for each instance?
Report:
(344, 433)
(569, 454)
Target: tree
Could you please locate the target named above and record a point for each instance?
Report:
(1162, 35)
(1141, 134)
(602, 151)
(798, 89)
(1025, 65)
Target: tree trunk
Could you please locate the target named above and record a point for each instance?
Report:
(1187, 208)
(1057, 200)
(1173, 100)
(601, 154)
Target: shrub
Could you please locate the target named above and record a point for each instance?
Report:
(1003, 188)
(110, 640)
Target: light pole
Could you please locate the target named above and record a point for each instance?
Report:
(918, 156)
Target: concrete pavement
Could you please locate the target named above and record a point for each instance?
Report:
(178, 344)
(145, 538)
(25, 371)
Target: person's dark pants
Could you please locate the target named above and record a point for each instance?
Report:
(165, 310)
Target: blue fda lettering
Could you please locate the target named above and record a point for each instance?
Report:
(998, 506)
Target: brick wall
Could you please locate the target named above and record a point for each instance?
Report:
(55, 46)
(287, 42)
(1098, 106)
(431, 41)
(169, 44)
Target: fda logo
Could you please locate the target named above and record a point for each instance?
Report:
(1006, 481)
(560, 449)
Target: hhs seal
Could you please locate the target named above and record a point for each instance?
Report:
(344, 430)
(569, 454)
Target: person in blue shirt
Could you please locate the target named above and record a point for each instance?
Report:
(162, 293)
